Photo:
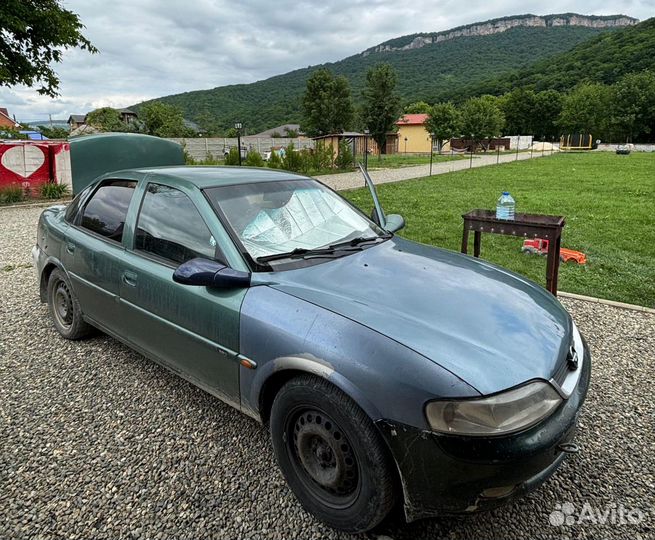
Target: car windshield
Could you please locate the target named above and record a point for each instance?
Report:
(272, 218)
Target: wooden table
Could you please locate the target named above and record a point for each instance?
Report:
(523, 226)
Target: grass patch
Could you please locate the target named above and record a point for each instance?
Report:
(50, 190)
(11, 194)
(608, 202)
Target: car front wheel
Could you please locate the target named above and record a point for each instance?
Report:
(64, 308)
(331, 455)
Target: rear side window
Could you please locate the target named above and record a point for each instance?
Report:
(170, 227)
(74, 207)
(106, 211)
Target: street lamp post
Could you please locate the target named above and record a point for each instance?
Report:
(405, 145)
(431, 150)
(366, 134)
(238, 126)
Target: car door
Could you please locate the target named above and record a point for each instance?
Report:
(92, 252)
(192, 330)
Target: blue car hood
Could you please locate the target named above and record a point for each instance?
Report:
(490, 327)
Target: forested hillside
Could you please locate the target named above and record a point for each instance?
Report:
(602, 59)
(446, 70)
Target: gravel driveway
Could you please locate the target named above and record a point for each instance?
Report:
(98, 442)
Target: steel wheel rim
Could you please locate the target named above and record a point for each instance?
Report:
(62, 304)
(323, 458)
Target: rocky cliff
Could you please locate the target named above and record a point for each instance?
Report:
(495, 26)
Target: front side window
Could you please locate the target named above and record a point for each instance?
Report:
(106, 211)
(170, 227)
(270, 218)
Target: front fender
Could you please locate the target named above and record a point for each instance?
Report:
(281, 332)
(285, 366)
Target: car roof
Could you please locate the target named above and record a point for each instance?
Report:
(207, 176)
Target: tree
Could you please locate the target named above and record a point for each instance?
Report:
(518, 107)
(53, 132)
(292, 160)
(418, 107)
(34, 35)
(547, 108)
(254, 159)
(444, 122)
(345, 158)
(232, 157)
(105, 119)
(585, 110)
(633, 106)
(482, 118)
(327, 104)
(381, 102)
(163, 120)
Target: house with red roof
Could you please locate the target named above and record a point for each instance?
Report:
(413, 136)
(7, 121)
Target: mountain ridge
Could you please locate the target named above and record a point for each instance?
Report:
(502, 24)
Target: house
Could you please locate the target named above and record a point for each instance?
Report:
(7, 121)
(281, 131)
(128, 116)
(76, 120)
(413, 136)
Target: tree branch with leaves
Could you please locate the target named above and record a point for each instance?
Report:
(35, 33)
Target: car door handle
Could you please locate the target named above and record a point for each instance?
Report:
(70, 247)
(129, 278)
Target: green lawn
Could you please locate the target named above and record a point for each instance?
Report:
(608, 202)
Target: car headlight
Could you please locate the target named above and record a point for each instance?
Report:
(502, 413)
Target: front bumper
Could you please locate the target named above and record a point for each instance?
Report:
(446, 474)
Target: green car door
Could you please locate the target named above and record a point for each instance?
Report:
(92, 251)
(192, 330)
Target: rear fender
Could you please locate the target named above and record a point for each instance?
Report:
(44, 275)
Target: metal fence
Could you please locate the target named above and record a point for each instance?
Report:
(207, 148)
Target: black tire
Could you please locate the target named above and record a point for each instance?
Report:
(64, 308)
(331, 455)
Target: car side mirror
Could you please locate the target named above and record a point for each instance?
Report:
(394, 222)
(207, 273)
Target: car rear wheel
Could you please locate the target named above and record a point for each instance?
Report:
(331, 455)
(64, 308)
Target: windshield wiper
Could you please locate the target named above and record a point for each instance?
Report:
(359, 241)
(333, 250)
(303, 253)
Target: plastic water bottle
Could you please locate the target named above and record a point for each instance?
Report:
(505, 206)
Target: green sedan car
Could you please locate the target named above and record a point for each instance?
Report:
(387, 371)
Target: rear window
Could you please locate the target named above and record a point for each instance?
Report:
(106, 211)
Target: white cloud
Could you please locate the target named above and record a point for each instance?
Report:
(153, 48)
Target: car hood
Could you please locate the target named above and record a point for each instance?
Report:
(490, 327)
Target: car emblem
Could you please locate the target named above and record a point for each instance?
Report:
(572, 359)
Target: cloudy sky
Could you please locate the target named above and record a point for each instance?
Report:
(152, 48)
